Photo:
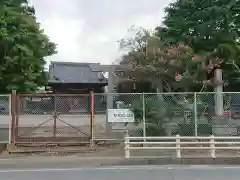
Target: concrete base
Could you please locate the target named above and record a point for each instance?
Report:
(3, 147)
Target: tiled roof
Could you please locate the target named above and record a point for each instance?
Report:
(71, 72)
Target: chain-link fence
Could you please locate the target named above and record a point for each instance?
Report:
(54, 118)
(167, 114)
(70, 117)
(221, 113)
(5, 119)
(105, 130)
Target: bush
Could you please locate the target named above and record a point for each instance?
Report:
(189, 130)
(162, 116)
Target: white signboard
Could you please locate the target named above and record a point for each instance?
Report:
(120, 115)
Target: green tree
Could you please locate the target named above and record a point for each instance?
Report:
(208, 27)
(158, 62)
(154, 61)
(23, 47)
(167, 114)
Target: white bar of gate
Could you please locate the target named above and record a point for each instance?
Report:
(181, 140)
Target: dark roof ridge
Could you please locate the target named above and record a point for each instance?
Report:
(72, 63)
(75, 72)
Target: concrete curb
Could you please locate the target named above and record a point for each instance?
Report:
(117, 161)
(183, 161)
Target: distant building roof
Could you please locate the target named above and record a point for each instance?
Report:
(71, 72)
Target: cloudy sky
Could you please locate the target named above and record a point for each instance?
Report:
(88, 30)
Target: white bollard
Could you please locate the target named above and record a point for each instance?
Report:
(127, 146)
(212, 146)
(178, 147)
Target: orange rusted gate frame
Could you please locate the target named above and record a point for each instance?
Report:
(15, 119)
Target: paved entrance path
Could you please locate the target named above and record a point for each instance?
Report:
(124, 172)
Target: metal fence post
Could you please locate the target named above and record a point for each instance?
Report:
(195, 115)
(144, 117)
(14, 113)
(56, 104)
(92, 128)
(10, 120)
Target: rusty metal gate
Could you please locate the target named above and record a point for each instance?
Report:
(51, 118)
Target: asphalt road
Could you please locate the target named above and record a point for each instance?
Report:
(124, 172)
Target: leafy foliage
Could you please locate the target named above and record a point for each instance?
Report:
(204, 35)
(208, 27)
(23, 46)
(197, 37)
(156, 62)
(163, 114)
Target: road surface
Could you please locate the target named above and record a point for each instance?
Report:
(123, 172)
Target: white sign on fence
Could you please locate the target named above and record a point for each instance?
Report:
(120, 115)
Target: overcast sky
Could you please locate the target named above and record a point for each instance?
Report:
(88, 30)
